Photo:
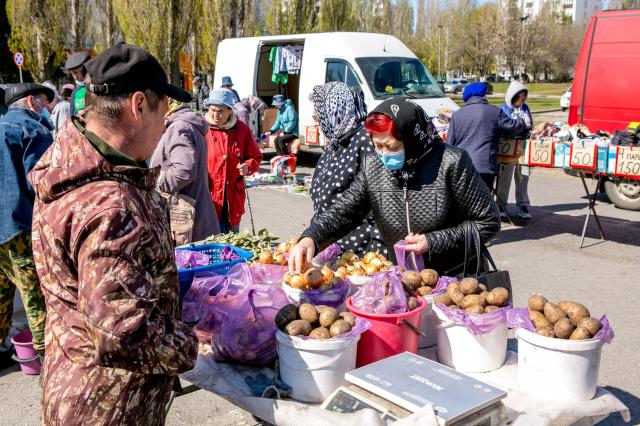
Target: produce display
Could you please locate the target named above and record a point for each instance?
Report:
(473, 297)
(263, 240)
(566, 320)
(349, 264)
(317, 322)
(278, 256)
(312, 279)
(420, 283)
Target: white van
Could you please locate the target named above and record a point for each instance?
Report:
(380, 64)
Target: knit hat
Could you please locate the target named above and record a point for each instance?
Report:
(474, 89)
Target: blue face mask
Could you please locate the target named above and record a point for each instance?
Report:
(392, 160)
(44, 112)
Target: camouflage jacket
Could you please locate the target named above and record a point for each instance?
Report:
(103, 252)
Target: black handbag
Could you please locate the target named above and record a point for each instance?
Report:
(490, 275)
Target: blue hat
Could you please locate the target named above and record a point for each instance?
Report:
(277, 100)
(226, 81)
(221, 97)
(474, 89)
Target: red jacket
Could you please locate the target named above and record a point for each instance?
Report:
(223, 147)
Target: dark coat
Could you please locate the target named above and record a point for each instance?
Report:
(477, 128)
(444, 191)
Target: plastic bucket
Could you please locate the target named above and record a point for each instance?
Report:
(468, 353)
(428, 323)
(25, 354)
(356, 282)
(558, 369)
(315, 368)
(390, 334)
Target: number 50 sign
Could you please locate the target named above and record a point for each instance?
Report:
(541, 153)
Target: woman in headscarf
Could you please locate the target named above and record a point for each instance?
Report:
(341, 113)
(418, 188)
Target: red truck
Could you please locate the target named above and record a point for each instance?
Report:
(606, 87)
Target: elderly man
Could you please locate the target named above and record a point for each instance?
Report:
(75, 66)
(227, 83)
(103, 251)
(200, 93)
(25, 134)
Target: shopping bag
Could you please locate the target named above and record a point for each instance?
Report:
(283, 165)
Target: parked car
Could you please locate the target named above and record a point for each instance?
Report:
(455, 86)
(565, 100)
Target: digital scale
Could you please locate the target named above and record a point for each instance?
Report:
(403, 384)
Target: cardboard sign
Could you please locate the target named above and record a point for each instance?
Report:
(583, 156)
(628, 162)
(312, 135)
(508, 147)
(541, 153)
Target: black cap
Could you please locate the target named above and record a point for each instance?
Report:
(124, 68)
(22, 90)
(76, 60)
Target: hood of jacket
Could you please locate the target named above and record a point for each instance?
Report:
(188, 116)
(514, 88)
(72, 162)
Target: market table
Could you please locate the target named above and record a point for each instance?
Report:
(228, 381)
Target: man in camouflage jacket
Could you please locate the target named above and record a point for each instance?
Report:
(104, 254)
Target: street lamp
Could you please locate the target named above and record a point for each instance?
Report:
(523, 19)
(439, 48)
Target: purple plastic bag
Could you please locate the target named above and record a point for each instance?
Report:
(228, 255)
(519, 318)
(485, 323)
(606, 333)
(407, 259)
(328, 254)
(371, 297)
(268, 274)
(443, 283)
(333, 297)
(361, 326)
(191, 259)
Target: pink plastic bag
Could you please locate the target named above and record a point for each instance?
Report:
(443, 283)
(361, 326)
(605, 333)
(371, 298)
(485, 323)
(268, 274)
(191, 259)
(328, 254)
(407, 260)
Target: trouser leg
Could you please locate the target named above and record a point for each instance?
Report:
(281, 146)
(521, 177)
(504, 184)
(26, 280)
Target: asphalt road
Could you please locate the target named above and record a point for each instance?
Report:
(542, 256)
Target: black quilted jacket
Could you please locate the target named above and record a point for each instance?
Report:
(445, 191)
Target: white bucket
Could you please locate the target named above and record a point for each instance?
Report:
(558, 369)
(356, 282)
(315, 368)
(461, 350)
(428, 323)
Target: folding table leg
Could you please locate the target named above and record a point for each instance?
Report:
(591, 208)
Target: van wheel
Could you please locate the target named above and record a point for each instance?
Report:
(456, 91)
(625, 194)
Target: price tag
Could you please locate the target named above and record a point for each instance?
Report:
(628, 162)
(583, 156)
(508, 147)
(541, 153)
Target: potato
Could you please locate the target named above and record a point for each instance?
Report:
(580, 333)
(307, 312)
(348, 317)
(499, 296)
(563, 328)
(453, 286)
(429, 277)
(320, 333)
(469, 286)
(473, 299)
(553, 313)
(574, 311)
(545, 331)
(537, 302)
(411, 279)
(475, 309)
(484, 294)
(490, 308)
(314, 277)
(339, 327)
(285, 315)
(328, 316)
(424, 290)
(412, 303)
(591, 324)
(298, 328)
(442, 299)
(320, 308)
(483, 288)
(539, 320)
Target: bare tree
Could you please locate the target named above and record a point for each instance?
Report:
(76, 20)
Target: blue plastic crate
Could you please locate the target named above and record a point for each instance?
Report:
(185, 276)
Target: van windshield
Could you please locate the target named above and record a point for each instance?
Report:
(391, 76)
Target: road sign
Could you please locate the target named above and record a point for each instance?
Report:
(18, 59)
